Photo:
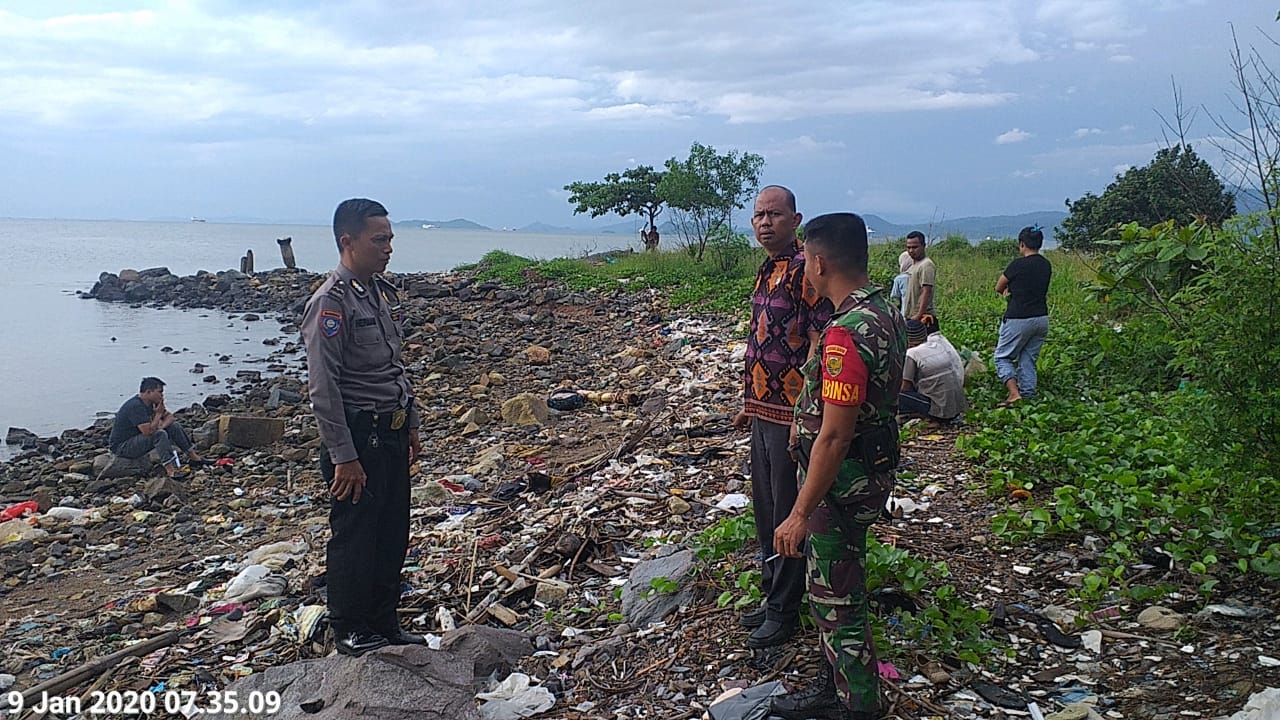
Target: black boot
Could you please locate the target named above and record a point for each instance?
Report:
(819, 701)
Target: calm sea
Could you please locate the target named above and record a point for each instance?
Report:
(64, 360)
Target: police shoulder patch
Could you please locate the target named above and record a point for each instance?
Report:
(330, 322)
(337, 291)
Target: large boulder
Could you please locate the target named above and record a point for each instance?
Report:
(645, 602)
(249, 431)
(110, 467)
(525, 409)
(491, 651)
(405, 682)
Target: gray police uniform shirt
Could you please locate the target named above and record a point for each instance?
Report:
(352, 334)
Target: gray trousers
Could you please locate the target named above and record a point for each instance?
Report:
(774, 489)
(162, 441)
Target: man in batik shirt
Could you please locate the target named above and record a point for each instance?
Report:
(786, 317)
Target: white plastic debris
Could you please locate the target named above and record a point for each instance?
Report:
(733, 501)
(276, 555)
(1262, 705)
(253, 582)
(515, 698)
(1092, 640)
(64, 513)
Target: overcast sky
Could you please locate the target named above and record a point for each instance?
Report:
(486, 110)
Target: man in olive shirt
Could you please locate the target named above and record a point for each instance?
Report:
(920, 280)
(368, 424)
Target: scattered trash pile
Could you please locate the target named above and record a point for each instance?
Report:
(575, 447)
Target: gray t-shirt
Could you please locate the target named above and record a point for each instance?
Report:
(938, 373)
(131, 414)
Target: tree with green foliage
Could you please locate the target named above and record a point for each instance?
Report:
(1176, 185)
(632, 192)
(704, 189)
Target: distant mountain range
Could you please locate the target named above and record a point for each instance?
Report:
(454, 224)
(974, 228)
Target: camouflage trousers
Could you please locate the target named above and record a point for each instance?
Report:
(837, 557)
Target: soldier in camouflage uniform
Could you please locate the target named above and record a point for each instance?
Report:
(847, 447)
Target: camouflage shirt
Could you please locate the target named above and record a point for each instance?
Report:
(863, 350)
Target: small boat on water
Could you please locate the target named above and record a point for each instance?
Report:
(426, 226)
(196, 219)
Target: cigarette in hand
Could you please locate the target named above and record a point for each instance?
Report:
(773, 557)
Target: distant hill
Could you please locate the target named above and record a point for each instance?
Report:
(541, 227)
(454, 224)
(974, 228)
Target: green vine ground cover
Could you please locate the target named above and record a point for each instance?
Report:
(1114, 446)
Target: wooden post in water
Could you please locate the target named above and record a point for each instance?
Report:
(286, 252)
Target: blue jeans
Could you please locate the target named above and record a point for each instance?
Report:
(1020, 343)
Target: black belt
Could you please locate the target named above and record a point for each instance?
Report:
(392, 420)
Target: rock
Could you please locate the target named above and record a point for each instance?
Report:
(677, 505)
(407, 682)
(296, 454)
(1160, 618)
(249, 431)
(129, 276)
(551, 593)
(641, 603)
(537, 355)
(488, 650)
(19, 437)
(162, 487)
(474, 415)
(282, 396)
(1074, 711)
(525, 409)
(108, 467)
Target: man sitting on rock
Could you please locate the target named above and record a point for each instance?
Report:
(143, 424)
(933, 378)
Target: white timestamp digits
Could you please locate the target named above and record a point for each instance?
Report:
(222, 702)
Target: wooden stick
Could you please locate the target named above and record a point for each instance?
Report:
(68, 679)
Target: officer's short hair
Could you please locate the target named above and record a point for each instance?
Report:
(841, 239)
(786, 192)
(917, 235)
(150, 383)
(349, 218)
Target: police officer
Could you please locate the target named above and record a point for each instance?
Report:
(364, 408)
(847, 449)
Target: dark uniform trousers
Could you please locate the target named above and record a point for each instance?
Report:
(368, 542)
(774, 491)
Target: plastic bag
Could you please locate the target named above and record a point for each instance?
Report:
(515, 698)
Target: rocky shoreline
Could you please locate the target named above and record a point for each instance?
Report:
(539, 533)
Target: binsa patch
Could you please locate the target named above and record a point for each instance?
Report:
(330, 322)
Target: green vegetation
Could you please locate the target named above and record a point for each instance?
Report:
(1156, 429)
(702, 190)
(1177, 185)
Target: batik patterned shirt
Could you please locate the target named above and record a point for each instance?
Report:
(784, 308)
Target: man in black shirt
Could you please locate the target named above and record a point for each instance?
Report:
(143, 424)
(1026, 319)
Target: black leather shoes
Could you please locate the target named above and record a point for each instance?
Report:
(359, 642)
(753, 618)
(400, 637)
(772, 632)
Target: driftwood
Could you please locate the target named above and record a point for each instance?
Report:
(68, 679)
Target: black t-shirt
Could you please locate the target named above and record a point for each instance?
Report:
(1028, 287)
(130, 415)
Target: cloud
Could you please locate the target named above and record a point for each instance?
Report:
(802, 145)
(1085, 132)
(1088, 21)
(1121, 58)
(446, 66)
(1013, 136)
(1025, 174)
(1121, 169)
